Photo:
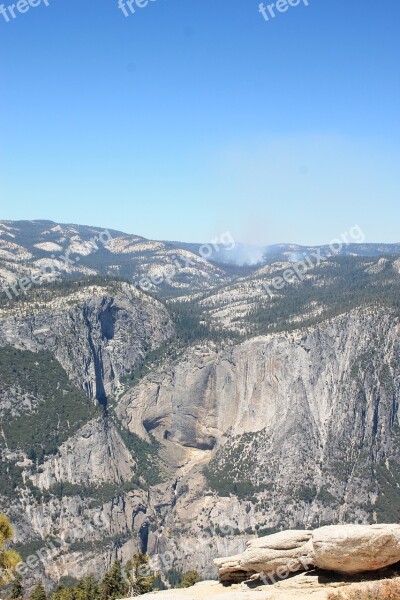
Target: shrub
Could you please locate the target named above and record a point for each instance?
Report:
(189, 579)
(38, 592)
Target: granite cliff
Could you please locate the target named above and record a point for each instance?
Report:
(188, 426)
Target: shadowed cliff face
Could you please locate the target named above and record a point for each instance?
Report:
(338, 377)
(68, 472)
(97, 333)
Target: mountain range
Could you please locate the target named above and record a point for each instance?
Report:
(185, 398)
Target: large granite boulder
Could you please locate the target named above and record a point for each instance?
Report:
(356, 549)
(275, 555)
(347, 549)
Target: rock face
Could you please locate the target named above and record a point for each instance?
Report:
(86, 493)
(288, 551)
(95, 455)
(97, 332)
(289, 415)
(356, 549)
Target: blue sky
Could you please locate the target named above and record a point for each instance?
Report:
(191, 118)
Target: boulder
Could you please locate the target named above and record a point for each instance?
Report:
(274, 555)
(353, 549)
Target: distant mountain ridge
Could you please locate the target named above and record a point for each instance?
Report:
(183, 267)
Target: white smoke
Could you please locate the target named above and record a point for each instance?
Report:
(242, 255)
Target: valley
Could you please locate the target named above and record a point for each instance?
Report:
(189, 419)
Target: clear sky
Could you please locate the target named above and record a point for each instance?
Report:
(193, 117)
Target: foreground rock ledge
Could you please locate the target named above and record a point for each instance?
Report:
(305, 586)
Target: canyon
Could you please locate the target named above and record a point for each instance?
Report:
(191, 419)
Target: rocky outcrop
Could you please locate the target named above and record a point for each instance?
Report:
(231, 571)
(356, 549)
(288, 551)
(345, 549)
(95, 455)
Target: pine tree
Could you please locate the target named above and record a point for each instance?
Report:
(61, 593)
(139, 577)
(88, 588)
(113, 584)
(38, 592)
(9, 559)
(17, 589)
